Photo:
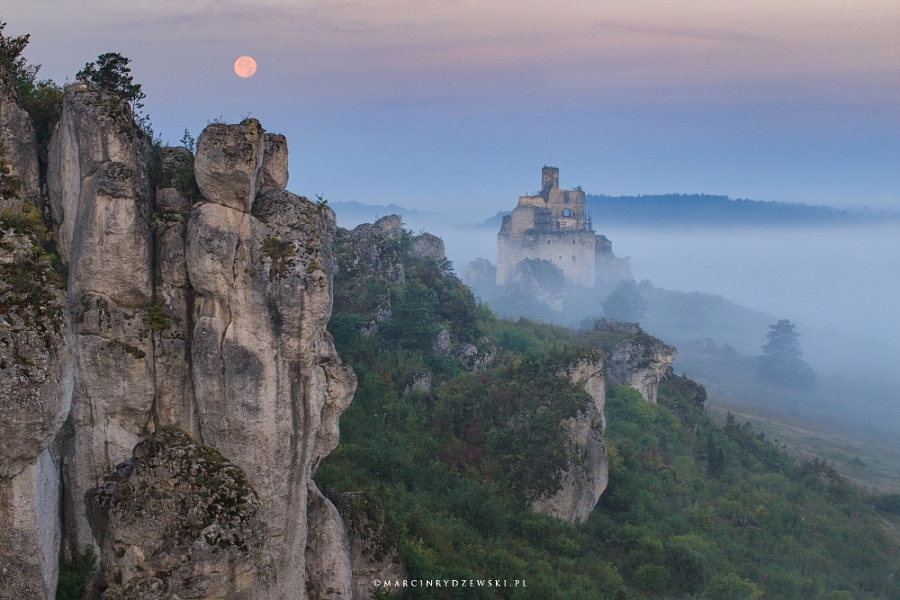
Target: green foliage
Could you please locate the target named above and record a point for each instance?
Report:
(455, 469)
(188, 141)
(413, 321)
(42, 99)
(625, 303)
(888, 503)
(780, 361)
(73, 576)
(157, 318)
(728, 586)
(111, 73)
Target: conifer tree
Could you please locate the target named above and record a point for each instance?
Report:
(780, 362)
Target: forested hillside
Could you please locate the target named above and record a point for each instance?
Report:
(453, 446)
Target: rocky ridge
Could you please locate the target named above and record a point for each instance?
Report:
(193, 310)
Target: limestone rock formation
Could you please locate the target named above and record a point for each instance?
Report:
(268, 384)
(229, 161)
(100, 201)
(204, 312)
(34, 401)
(368, 253)
(473, 359)
(177, 520)
(639, 360)
(171, 315)
(587, 475)
(18, 152)
(372, 549)
(480, 275)
(428, 246)
(328, 563)
(275, 165)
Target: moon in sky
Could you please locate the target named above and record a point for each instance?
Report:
(245, 67)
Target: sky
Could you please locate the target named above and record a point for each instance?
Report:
(453, 106)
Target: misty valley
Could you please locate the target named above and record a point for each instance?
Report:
(213, 387)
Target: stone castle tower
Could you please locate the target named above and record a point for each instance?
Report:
(554, 226)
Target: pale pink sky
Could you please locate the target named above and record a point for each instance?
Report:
(676, 87)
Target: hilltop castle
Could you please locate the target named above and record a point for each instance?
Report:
(553, 225)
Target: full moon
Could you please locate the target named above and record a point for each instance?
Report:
(245, 66)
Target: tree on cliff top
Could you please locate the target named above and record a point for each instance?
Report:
(625, 303)
(780, 361)
(42, 99)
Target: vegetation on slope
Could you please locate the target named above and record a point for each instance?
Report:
(692, 510)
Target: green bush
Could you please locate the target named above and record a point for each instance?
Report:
(729, 586)
(653, 578)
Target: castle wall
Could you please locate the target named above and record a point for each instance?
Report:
(552, 226)
(571, 251)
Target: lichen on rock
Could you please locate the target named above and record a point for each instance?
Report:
(178, 520)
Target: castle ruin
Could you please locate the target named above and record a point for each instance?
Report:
(553, 225)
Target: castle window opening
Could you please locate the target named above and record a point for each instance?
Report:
(574, 259)
(566, 212)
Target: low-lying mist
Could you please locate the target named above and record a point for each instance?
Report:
(839, 284)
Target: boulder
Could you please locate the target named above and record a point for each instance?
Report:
(373, 550)
(275, 165)
(428, 246)
(229, 163)
(179, 520)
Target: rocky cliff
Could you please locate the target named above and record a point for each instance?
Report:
(633, 357)
(195, 306)
(587, 474)
(35, 396)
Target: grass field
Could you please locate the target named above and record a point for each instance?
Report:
(873, 464)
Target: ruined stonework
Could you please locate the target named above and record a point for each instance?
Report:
(178, 520)
(587, 474)
(553, 225)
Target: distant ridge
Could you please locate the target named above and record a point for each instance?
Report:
(704, 209)
(352, 213)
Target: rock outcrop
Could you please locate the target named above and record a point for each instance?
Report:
(18, 152)
(268, 384)
(633, 357)
(100, 199)
(428, 246)
(587, 474)
(178, 520)
(373, 551)
(35, 397)
(641, 363)
(171, 315)
(197, 298)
